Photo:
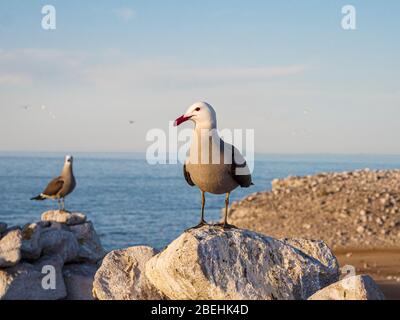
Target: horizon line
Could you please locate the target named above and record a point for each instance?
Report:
(255, 153)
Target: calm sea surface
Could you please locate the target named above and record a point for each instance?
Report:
(131, 202)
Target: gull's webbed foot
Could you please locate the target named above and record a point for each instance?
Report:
(202, 223)
(226, 226)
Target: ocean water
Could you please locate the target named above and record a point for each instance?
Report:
(133, 203)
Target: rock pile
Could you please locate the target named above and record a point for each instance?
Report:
(212, 263)
(63, 245)
(61, 257)
(350, 209)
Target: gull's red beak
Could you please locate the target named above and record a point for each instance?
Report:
(180, 120)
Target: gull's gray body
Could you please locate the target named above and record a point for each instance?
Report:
(213, 165)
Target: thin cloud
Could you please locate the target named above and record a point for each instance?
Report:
(166, 75)
(14, 79)
(125, 14)
(24, 66)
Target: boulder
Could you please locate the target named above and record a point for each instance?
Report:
(76, 243)
(351, 288)
(79, 279)
(64, 217)
(121, 276)
(31, 250)
(90, 248)
(10, 248)
(211, 263)
(58, 241)
(31, 281)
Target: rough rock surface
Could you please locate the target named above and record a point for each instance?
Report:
(79, 281)
(121, 276)
(57, 241)
(212, 263)
(23, 253)
(10, 248)
(24, 281)
(31, 249)
(351, 288)
(64, 217)
(346, 210)
(90, 248)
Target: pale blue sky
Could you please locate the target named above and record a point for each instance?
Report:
(284, 68)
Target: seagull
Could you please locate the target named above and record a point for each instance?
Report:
(61, 186)
(213, 165)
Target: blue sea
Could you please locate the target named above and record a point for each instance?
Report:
(133, 203)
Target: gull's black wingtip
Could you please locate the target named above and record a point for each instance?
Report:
(38, 198)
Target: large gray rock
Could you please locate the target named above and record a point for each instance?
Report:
(212, 263)
(10, 248)
(64, 217)
(90, 248)
(31, 249)
(121, 276)
(351, 288)
(58, 241)
(76, 243)
(79, 281)
(30, 281)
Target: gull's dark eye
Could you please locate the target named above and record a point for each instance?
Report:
(197, 109)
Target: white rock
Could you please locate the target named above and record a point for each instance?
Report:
(90, 248)
(64, 217)
(212, 263)
(351, 288)
(10, 248)
(25, 281)
(121, 276)
(79, 281)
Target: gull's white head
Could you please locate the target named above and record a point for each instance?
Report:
(69, 159)
(202, 114)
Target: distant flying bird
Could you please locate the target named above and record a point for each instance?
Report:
(24, 107)
(61, 186)
(49, 112)
(131, 122)
(216, 177)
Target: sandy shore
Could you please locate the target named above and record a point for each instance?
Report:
(383, 265)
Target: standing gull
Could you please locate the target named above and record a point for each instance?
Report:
(213, 165)
(61, 186)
